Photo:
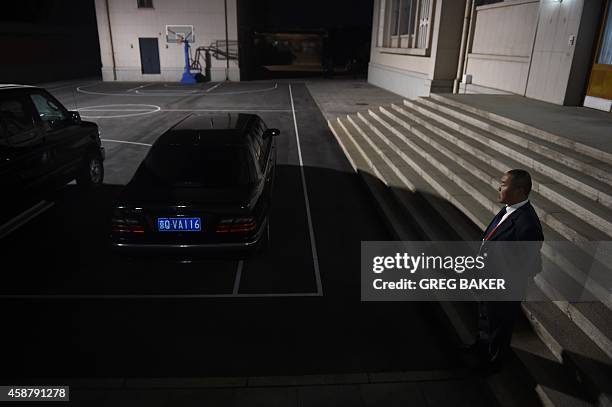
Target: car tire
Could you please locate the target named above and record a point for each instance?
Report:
(92, 173)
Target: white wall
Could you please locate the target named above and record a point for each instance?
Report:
(502, 42)
(128, 23)
(558, 68)
(523, 47)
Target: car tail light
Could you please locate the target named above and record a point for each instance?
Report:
(237, 225)
(125, 224)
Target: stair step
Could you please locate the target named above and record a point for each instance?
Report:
(459, 175)
(562, 154)
(566, 223)
(593, 318)
(571, 260)
(572, 347)
(599, 216)
(553, 383)
(525, 128)
(435, 184)
(410, 189)
(386, 144)
(487, 158)
(530, 363)
(399, 183)
(392, 213)
(581, 180)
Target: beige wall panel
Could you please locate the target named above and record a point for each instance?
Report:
(505, 28)
(509, 76)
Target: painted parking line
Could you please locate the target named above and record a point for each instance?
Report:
(313, 245)
(126, 142)
(148, 296)
(24, 217)
(238, 276)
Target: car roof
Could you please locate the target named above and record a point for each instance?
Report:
(4, 86)
(209, 129)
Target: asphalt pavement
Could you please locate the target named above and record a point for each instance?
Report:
(76, 309)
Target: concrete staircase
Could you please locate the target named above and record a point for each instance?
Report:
(436, 162)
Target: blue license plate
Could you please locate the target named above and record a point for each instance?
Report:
(179, 224)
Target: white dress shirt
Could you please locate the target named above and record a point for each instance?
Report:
(510, 209)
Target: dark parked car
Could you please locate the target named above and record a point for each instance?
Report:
(205, 185)
(44, 146)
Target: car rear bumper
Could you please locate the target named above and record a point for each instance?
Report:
(170, 248)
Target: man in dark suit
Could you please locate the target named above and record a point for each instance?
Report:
(518, 222)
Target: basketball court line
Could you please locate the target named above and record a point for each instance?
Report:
(137, 93)
(214, 87)
(126, 142)
(141, 86)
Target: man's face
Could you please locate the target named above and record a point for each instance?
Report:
(507, 194)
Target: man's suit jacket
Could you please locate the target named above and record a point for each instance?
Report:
(523, 225)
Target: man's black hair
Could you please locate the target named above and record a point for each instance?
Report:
(521, 179)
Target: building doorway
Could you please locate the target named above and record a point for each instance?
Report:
(599, 91)
(149, 55)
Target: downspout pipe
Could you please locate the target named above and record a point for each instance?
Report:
(110, 35)
(464, 40)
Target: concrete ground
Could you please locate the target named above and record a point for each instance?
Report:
(283, 328)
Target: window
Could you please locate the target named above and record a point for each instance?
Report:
(15, 116)
(48, 110)
(405, 24)
(145, 3)
(203, 166)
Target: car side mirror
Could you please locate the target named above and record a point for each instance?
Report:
(75, 116)
(271, 133)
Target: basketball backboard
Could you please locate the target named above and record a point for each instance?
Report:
(179, 33)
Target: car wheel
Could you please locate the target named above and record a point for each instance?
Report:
(92, 173)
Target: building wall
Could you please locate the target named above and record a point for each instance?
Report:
(502, 43)
(525, 47)
(419, 75)
(541, 49)
(559, 69)
(129, 23)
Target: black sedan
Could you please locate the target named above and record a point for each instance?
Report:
(206, 184)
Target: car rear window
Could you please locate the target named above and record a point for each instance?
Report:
(186, 166)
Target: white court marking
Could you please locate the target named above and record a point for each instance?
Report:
(141, 86)
(138, 93)
(313, 245)
(238, 277)
(126, 142)
(214, 87)
(149, 296)
(156, 109)
(100, 108)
